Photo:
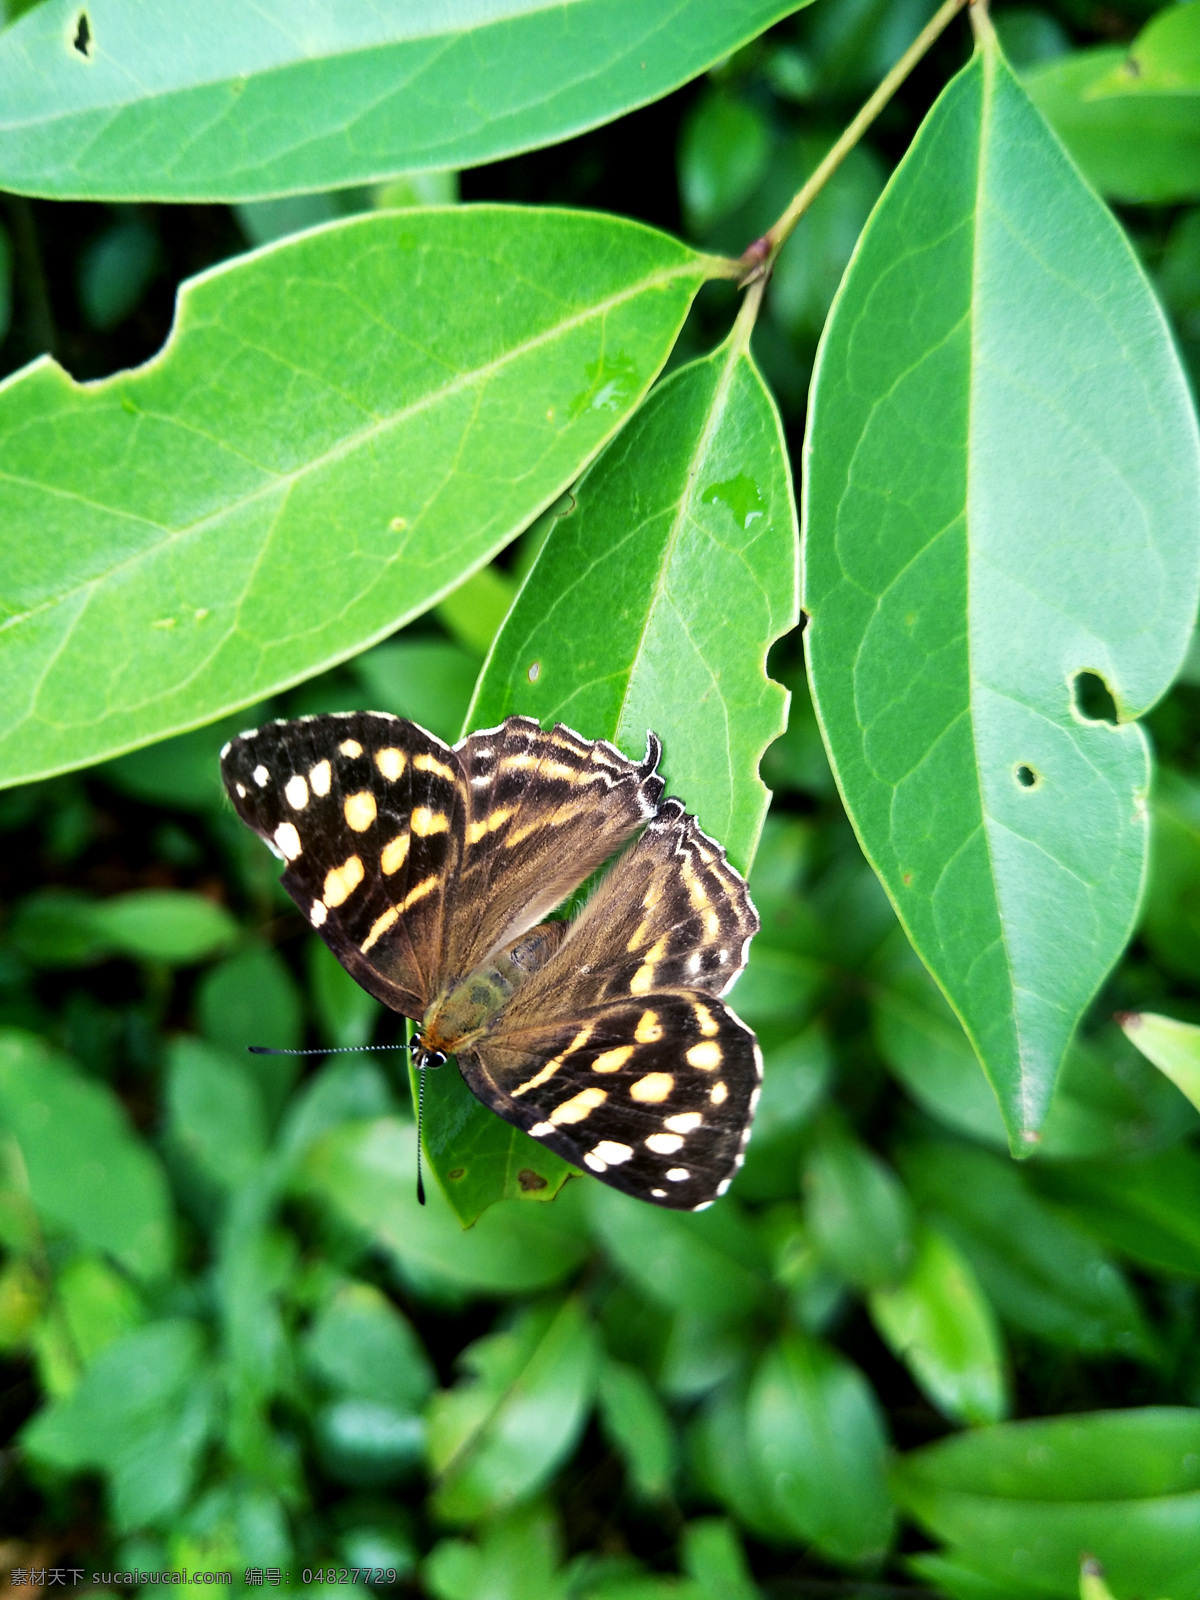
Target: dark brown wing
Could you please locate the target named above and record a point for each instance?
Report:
(671, 913)
(544, 810)
(368, 812)
(655, 1096)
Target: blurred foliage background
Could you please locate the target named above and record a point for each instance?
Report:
(228, 1336)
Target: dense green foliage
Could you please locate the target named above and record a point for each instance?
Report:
(457, 460)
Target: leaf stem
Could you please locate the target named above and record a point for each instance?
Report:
(759, 258)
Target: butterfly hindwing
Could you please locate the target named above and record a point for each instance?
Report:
(545, 810)
(367, 811)
(654, 1095)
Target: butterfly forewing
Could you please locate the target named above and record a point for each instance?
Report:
(545, 809)
(367, 810)
(654, 1095)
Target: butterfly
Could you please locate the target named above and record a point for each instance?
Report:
(431, 873)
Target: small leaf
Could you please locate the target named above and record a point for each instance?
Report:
(1146, 1210)
(89, 1175)
(940, 1324)
(416, 419)
(709, 1263)
(475, 610)
(692, 500)
(724, 147)
(713, 1556)
(816, 1424)
(1173, 1047)
(141, 1414)
(168, 925)
(1131, 145)
(1023, 1499)
(497, 1437)
(368, 1442)
(1041, 1272)
(857, 1211)
(362, 1347)
(115, 270)
(249, 999)
(731, 1467)
(253, 107)
(430, 681)
(98, 1304)
(516, 1559)
(368, 1171)
(962, 583)
(215, 1118)
(638, 1428)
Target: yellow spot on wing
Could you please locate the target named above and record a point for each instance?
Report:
(648, 1030)
(697, 893)
(394, 853)
(350, 747)
(288, 840)
(428, 763)
(379, 927)
(319, 777)
(718, 1094)
(578, 1106)
(341, 882)
(551, 1067)
(653, 1089)
(683, 1122)
(664, 1144)
(359, 810)
(390, 762)
(643, 980)
(425, 821)
(612, 1060)
(712, 924)
(489, 824)
(704, 1020)
(295, 792)
(706, 1055)
(426, 886)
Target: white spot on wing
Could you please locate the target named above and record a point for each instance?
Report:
(678, 1175)
(318, 913)
(288, 840)
(260, 776)
(295, 792)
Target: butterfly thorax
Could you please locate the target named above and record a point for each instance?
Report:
(466, 1010)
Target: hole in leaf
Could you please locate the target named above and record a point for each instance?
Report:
(1092, 699)
(456, 1174)
(530, 1180)
(535, 671)
(1026, 777)
(82, 42)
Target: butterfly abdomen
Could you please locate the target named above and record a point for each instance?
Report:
(468, 1008)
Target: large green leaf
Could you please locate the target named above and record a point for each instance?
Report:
(992, 523)
(1132, 119)
(686, 528)
(118, 100)
(1023, 1501)
(339, 429)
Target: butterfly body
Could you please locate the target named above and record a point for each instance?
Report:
(431, 873)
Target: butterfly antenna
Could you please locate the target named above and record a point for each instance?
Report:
(420, 1118)
(322, 1050)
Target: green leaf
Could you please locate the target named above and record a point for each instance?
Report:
(193, 537)
(252, 999)
(472, 614)
(940, 1324)
(1041, 1272)
(638, 1428)
(713, 1556)
(817, 1427)
(516, 1559)
(480, 1159)
(115, 269)
(360, 1346)
(430, 681)
(250, 106)
(498, 1436)
(368, 1442)
(691, 501)
(967, 580)
(215, 1117)
(98, 1304)
(168, 925)
(89, 1175)
(1173, 1047)
(1131, 145)
(710, 1263)
(1171, 915)
(1023, 1500)
(732, 1468)
(368, 1171)
(182, 772)
(857, 1211)
(795, 1079)
(141, 1413)
(724, 147)
(1146, 1210)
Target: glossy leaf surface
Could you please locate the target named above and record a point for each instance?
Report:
(341, 427)
(269, 100)
(686, 527)
(1023, 1500)
(1174, 1048)
(961, 577)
